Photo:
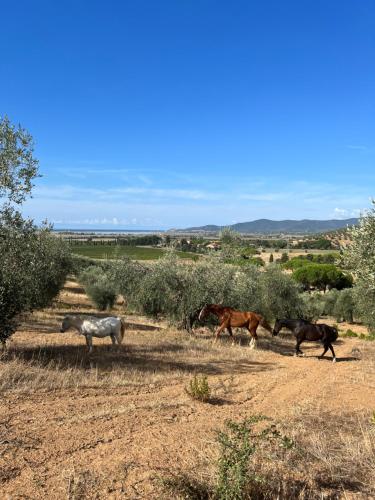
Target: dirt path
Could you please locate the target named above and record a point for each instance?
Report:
(114, 434)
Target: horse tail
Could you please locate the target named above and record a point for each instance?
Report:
(122, 329)
(263, 322)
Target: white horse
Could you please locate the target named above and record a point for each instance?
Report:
(90, 327)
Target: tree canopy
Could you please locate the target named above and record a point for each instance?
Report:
(33, 264)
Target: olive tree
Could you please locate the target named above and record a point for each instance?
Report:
(344, 306)
(33, 263)
(280, 294)
(359, 257)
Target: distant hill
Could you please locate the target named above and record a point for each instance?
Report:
(267, 226)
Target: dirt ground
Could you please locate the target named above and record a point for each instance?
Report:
(113, 424)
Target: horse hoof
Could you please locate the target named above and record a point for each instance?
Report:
(334, 360)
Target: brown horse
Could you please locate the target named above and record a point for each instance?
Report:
(229, 318)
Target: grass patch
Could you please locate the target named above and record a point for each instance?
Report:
(369, 338)
(199, 389)
(117, 251)
(349, 333)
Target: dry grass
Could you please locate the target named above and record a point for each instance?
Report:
(29, 367)
(111, 424)
(324, 458)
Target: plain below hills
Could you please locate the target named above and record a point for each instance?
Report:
(267, 226)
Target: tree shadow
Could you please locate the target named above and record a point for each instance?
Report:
(105, 358)
(53, 325)
(78, 290)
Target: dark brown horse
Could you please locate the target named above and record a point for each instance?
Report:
(303, 330)
(231, 318)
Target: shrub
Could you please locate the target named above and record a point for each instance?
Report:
(256, 261)
(344, 306)
(90, 275)
(102, 294)
(238, 478)
(330, 299)
(359, 257)
(364, 298)
(279, 294)
(199, 388)
(99, 287)
(33, 267)
(313, 306)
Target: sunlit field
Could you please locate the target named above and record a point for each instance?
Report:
(116, 251)
(128, 412)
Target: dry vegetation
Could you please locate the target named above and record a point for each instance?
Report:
(120, 424)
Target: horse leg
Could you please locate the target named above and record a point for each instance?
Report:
(333, 353)
(89, 342)
(113, 338)
(118, 338)
(231, 334)
(254, 337)
(325, 350)
(219, 330)
(298, 350)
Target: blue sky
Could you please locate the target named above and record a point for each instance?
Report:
(175, 113)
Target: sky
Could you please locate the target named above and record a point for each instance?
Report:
(175, 113)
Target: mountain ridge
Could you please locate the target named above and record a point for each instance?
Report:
(290, 226)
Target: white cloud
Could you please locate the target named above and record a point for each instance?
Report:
(341, 213)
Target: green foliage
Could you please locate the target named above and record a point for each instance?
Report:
(238, 478)
(229, 236)
(321, 276)
(33, 267)
(344, 306)
(330, 299)
(99, 287)
(102, 294)
(118, 251)
(199, 388)
(369, 338)
(359, 257)
(284, 258)
(18, 167)
(364, 298)
(279, 294)
(256, 261)
(303, 260)
(236, 449)
(34, 264)
(313, 306)
(172, 289)
(349, 333)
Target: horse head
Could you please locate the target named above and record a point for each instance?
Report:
(65, 325)
(203, 313)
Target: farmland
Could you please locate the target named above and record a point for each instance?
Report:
(117, 251)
